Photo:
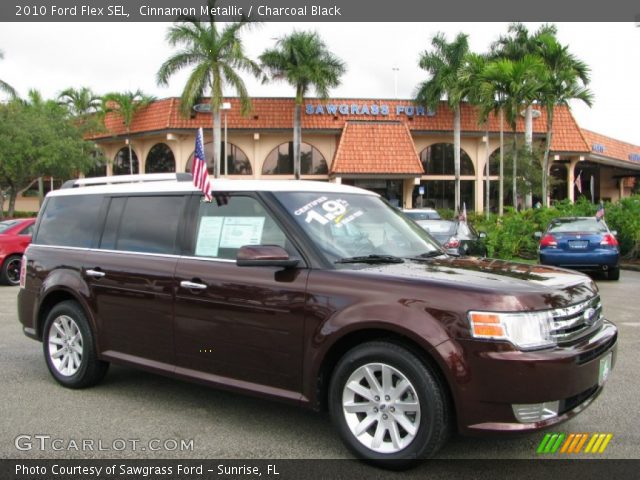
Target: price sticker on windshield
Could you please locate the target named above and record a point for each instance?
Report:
(324, 211)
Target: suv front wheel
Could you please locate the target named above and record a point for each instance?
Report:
(388, 405)
(69, 347)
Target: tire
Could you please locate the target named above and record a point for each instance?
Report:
(10, 273)
(419, 431)
(69, 347)
(613, 273)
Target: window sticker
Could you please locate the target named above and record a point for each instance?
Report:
(240, 231)
(209, 236)
(323, 211)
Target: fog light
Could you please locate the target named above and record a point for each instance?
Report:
(536, 412)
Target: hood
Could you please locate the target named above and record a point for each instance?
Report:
(535, 286)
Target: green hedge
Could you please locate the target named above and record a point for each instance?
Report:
(513, 234)
(20, 215)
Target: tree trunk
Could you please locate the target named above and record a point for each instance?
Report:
(130, 157)
(487, 196)
(40, 191)
(217, 142)
(515, 170)
(297, 139)
(13, 193)
(456, 155)
(1, 204)
(528, 128)
(501, 189)
(545, 160)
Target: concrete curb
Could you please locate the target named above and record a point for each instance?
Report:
(629, 266)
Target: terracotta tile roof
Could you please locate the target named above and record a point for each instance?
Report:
(277, 114)
(375, 147)
(609, 147)
(567, 136)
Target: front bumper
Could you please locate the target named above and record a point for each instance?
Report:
(492, 377)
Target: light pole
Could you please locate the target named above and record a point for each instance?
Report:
(395, 69)
(225, 106)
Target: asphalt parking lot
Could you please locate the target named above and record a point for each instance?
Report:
(133, 405)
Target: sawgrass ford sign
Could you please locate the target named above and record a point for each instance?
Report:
(372, 109)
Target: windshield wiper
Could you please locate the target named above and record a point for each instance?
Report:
(371, 259)
(432, 254)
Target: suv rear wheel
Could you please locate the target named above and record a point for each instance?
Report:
(387, 405)
(69, 347)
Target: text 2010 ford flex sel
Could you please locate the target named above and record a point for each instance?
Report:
(316, 294)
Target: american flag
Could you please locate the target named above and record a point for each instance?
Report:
(600, 212)
(200, 174)
(463, 216)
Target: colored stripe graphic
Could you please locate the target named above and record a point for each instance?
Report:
(573, 443)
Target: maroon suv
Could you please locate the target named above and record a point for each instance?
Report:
(317, 294)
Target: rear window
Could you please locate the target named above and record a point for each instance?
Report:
(438, 227)
(69, 221)
(422, 214)
(146, 224)
(587, 225)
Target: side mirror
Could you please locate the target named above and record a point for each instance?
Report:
(614, 233)
(482, 235)
(264, 256)
(538, 235)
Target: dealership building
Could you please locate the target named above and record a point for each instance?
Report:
(393, 147)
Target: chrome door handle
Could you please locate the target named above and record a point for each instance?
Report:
(95, 273)
(193, 285)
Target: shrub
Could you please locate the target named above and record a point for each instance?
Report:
(513, 234)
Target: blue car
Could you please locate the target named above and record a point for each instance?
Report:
(580, 243)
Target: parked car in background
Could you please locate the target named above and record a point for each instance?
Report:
(418, 214)
(580, 243)
(456, 237)
(15, 237)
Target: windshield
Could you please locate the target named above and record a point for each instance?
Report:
(346, 225)
(590, 225)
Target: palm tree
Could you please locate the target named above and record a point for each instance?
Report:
(443, 64)
(4, 86)
(303, 60)
(565, 79)
(127, 105)
(515, 83)
(515, 45)
(80, 102)
(216, 54)
(481, 94)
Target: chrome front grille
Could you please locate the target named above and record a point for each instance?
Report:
(576, 321)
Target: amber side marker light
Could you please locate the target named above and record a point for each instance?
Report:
(486, 325)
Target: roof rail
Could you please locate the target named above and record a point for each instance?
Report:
(114, 179)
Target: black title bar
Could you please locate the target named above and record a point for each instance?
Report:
(318, 10)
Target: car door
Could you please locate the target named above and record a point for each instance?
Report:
(130, 277)
(240, 326)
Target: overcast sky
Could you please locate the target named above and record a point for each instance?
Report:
(126, 56)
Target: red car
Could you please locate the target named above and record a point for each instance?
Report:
(15, 237)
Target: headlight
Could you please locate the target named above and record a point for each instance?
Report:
(526, 330)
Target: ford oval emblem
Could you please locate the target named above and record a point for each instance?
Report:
(589, 316)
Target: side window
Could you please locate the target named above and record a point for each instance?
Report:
(143, 224)
(222, 230)
(69, 221)
(27, 231)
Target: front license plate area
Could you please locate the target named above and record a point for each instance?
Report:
(605, 369)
